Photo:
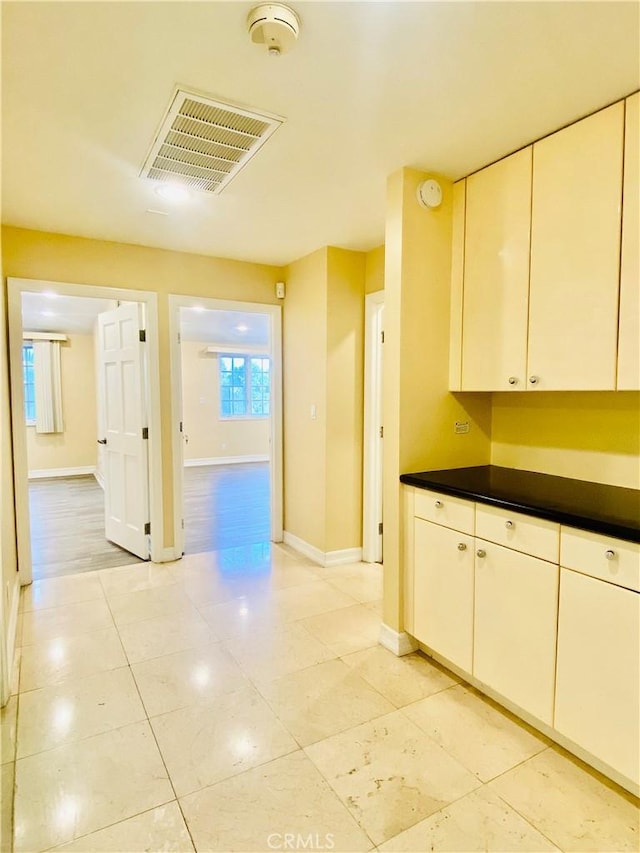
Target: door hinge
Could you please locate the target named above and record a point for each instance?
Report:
(147, 528)
(381, 432)
(381, 337)
(380, 529)
(142, 335)
(145, 432)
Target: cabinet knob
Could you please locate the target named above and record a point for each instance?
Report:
(462, 546)
(610, 555)
(513, 380)
(439, 504)
(509, 525)
(533, 380)
(481, 553)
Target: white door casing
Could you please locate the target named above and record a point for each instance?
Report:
(121, 388)
(373, 437)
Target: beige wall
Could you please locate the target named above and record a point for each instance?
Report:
(419, 412)
(586, 435)
(76, 446)
(8, 555)
(323, 344)
(374, 270)
(59, 257)
(345, 400)
(305, 385)
(209, 435)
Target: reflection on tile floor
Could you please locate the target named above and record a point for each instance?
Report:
(238, 700)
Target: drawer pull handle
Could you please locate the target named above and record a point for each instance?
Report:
(533, 380)
(481, 553)
(509, 525)
(610, 554)
(513, 380)
(462, 546)
(439, 504)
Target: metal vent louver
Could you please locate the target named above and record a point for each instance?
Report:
(203, 143)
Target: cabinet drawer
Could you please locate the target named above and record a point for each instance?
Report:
(601, 557)
(442, 509)
(534, 536)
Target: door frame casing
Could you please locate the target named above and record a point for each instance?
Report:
(274, 312)
(15, 288)
(372, 463)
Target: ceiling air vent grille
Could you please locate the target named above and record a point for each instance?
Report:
(203, 143)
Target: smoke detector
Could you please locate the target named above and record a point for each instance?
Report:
(274, 25)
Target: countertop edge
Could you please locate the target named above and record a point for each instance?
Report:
(581, 522)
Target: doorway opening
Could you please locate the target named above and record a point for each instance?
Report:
(226, 373)
(83, 413)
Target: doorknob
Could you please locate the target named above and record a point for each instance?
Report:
(102, 441)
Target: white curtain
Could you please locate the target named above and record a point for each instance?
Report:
(48, 386)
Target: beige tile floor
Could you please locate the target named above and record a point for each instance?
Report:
(218, 705)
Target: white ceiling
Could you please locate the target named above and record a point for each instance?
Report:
(52, 312)
(66, 315)
(370, 87)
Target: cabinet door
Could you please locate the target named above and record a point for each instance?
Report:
(575, 255)
(629, 334)
(598, 682)
(496, 275)
(443, 591)
(516, 612)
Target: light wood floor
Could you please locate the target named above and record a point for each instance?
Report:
(225, 506)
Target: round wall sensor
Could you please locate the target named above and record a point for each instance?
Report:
(429, 194)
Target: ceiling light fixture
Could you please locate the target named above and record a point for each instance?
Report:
(172, 192)
(242, 328)
(274, 25)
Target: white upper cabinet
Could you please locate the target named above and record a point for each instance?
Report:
(496, 275)
(545, 263)
(629, 337)
(575, 255)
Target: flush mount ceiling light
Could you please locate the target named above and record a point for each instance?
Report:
(274, 25)
(172, 192)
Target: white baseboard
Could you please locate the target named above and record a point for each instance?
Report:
(226, 460)
(44, 473)
(99, 479)
(323, 558)
(398, 642)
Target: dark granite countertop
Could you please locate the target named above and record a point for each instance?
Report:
(610, 510)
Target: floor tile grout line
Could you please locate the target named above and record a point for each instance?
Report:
(527, 820)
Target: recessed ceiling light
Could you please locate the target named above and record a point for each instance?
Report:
(172, 192)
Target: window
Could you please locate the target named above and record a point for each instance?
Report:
(29, 384)
(245, 386)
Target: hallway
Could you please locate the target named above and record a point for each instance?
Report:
(235, 697)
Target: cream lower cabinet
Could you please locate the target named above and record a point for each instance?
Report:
(443, 591)
(516, 607)
(598, 678)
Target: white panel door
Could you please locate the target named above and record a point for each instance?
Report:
(126, 485)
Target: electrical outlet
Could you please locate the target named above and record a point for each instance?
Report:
(461, 427)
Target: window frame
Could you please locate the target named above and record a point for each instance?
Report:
(248, 375)
(29, 399)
